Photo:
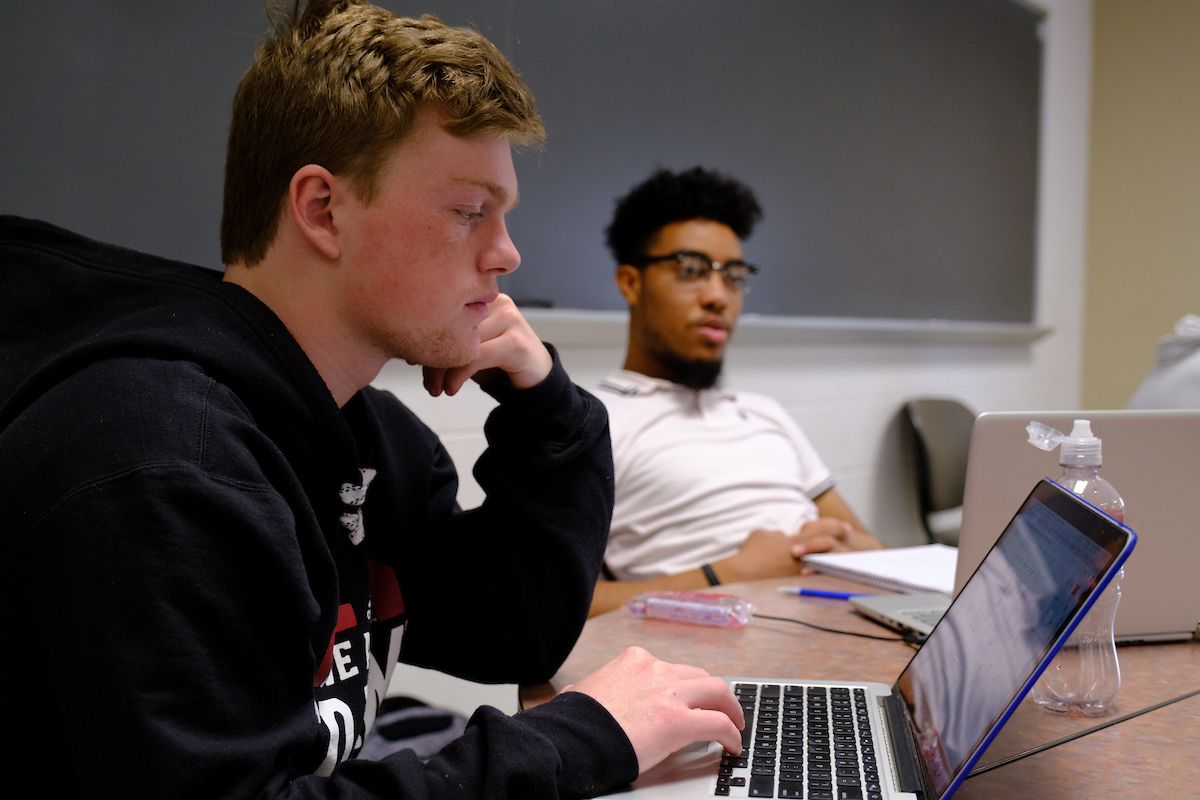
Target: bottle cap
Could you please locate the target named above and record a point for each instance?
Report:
(1042, 436)
(1081, 448)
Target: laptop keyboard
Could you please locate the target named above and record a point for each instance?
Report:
(810, 742)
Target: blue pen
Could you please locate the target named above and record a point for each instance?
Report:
(820, 593)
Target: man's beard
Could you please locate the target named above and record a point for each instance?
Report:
(690, 372)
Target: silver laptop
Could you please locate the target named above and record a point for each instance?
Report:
(914, 614)
(1147, 457)
(920, 737)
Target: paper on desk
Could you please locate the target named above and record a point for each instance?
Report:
(926, 568)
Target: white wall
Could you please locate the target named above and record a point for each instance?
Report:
(846, 392)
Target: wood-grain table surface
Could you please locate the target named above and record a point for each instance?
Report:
(1156, 754)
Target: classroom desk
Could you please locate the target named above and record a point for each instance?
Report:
(1150, 755)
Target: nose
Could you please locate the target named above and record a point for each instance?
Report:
(501, 254)
(715, 293)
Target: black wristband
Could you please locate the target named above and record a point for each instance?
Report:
(710, 575)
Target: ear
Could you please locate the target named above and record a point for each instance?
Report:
(310, 206)
(629, 283)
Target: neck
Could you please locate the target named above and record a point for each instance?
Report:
(296, 296)
(647, 365)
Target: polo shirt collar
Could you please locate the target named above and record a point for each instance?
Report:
(633, 384)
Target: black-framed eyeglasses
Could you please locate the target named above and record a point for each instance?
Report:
(693, 269)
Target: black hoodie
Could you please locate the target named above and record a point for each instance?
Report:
(208, 569)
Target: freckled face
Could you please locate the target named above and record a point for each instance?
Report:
(421, 260)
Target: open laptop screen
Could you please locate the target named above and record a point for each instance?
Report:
(979, 660)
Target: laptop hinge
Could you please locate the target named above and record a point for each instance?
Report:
(904, 752)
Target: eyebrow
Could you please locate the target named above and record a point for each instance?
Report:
(497, 191)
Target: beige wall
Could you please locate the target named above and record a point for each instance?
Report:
(1143, 240)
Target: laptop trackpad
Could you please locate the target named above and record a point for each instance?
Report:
(696, 762)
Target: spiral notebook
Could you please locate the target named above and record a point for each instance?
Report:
(925, 568)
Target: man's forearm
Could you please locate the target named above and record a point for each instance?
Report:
(614, 594)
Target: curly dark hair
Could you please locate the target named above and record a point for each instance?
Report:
(666, 197)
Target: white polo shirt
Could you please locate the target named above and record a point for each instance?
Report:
(697, 471)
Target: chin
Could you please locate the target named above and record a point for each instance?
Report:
(440, 351)
(695, 373)
(704, 356)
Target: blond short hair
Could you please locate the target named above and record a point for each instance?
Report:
(340, 85)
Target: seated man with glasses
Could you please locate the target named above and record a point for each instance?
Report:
(711, 485)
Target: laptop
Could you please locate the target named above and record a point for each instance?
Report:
(1146, 457)
(914, 614)
(919, 738)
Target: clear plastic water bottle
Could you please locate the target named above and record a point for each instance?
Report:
(1086, 674)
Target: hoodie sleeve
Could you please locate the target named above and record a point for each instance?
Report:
(524, 564)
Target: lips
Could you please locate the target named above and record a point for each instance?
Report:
(714, 330)
(481, 304)
(486, 299)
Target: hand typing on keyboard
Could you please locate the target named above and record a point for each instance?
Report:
(664, 707)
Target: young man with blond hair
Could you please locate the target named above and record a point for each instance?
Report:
(220, 539)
